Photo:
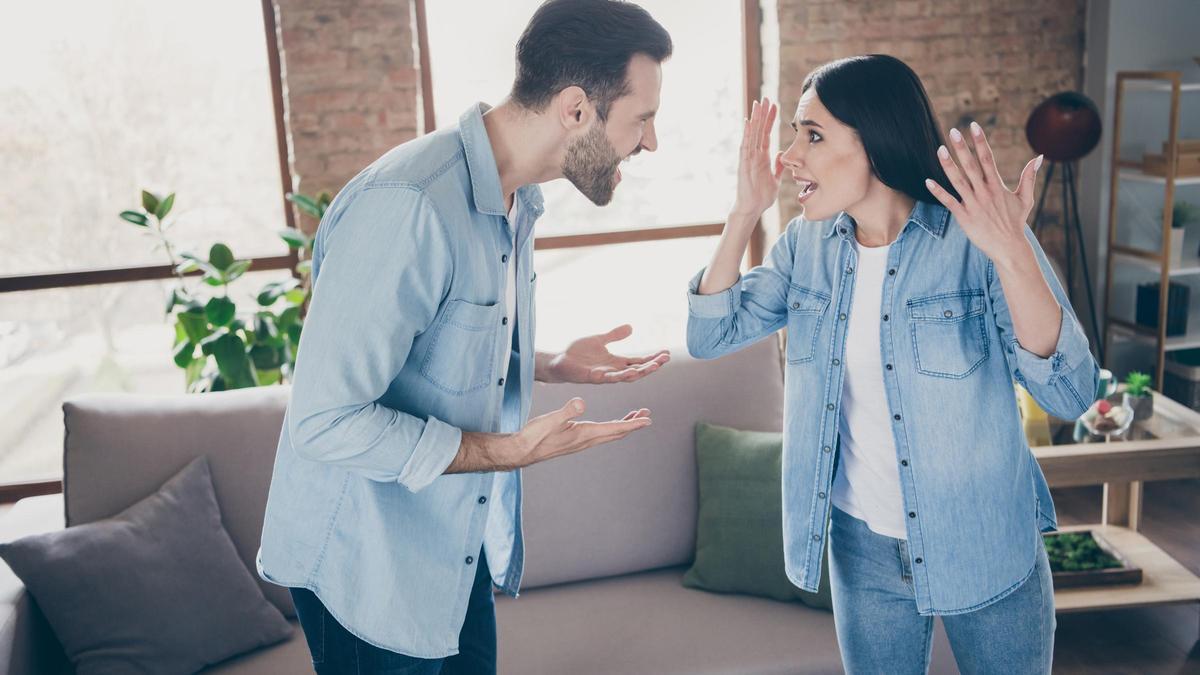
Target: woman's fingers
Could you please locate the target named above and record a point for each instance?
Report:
(968, 161)
(945, 198)
(987, 160)
(764, 141)
(957, 179)
(1025, 187)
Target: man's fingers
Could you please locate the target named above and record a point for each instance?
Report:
(644, 412)
(619, 333)
(662, 357)
(572, 409)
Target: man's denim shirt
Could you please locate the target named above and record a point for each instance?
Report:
(974, 495)
(401, 353)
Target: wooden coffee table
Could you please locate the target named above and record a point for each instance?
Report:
(1165, 446)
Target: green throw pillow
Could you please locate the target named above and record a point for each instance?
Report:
(739, 533)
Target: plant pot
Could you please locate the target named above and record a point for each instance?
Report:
(1143, 406)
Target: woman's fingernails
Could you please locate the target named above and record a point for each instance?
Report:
(976, 129)
(943, 152)
(956, 135)
(1038, 164)
(929, 183)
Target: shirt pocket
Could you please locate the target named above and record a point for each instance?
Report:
(949, 335)
(806, 308)
(462, 354)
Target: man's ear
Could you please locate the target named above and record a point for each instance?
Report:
(574, 109)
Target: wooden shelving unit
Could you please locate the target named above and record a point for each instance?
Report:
(1170, 83)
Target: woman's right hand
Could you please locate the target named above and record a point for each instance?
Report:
(758, 176)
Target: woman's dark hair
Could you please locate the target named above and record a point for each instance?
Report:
(883, 100)
(585, 43)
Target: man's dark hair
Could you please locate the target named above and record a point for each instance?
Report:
(882, 99)
(585, 43)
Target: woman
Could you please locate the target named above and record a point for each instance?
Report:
(913, 295)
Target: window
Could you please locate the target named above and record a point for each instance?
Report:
(98, 101)
(690, 180)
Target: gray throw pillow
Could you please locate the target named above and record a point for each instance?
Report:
(157, 588)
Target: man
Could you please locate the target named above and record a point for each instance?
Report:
(395, 501)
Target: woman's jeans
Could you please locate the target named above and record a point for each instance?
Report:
(880, 631)
(335, 651)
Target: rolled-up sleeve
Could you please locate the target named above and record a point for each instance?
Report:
(754, 307)
(382, 268)
(1063, 383)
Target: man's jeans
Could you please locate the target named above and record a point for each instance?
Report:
(880, 631)
(337, 652)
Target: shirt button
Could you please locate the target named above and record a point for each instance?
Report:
(947, 314)
(821, 495)
(483, 500)
(829, 406)
(904, 462)
(896, 417)
(888, 366)
(842, 230)
(816, 537)
(827, 449)
(912, 514)
(470, 559)
(795, 305)
(842, 317)
(919, 560)
(504, 321)
(837, 362)
(501, 382)
(891, 272)
(849, 270)
(504, 258)
(885, 317)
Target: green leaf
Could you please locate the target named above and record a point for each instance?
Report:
(195, 324)
(149, 201)
(305, 204)
(185, 353)
(288, 317)
(294, 238)
(266, 377)
(296, 296)
(266, 358)
(271, 292)
(220, 257)
(164, 207)
(220, 311)
(193, 372)
(136, 217)
(304, 267)
(266, 326)
(236, 270)
(172, 300)
(232, 361)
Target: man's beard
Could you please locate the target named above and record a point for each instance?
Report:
(590, 165)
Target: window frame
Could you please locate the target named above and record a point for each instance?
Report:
(752, 79)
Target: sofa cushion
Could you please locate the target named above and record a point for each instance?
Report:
(157, 588)
(121, 447)
(289, 656)
(630, 506)
(650, 623)
(739, 538)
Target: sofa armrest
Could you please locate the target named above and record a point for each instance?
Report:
(27, 645)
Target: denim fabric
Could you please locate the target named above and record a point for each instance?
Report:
(974, 496)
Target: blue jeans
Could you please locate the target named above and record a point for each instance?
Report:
(880, 631)
(335, 651)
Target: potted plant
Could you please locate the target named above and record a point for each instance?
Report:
(1138, 396)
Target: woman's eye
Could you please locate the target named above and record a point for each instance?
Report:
(814, 137)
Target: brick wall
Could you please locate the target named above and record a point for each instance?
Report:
(350, 86)
(986, 60)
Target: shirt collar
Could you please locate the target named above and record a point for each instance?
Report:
(932, 218)
(481, 165)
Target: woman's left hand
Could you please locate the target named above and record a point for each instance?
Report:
(992, 216)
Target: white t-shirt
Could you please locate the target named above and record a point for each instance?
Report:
(867, 485)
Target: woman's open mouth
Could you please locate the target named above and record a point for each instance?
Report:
(807, 188)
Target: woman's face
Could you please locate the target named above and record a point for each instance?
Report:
(827, 159)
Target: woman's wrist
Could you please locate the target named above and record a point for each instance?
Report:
(742, 219)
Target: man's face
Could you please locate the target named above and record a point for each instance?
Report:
(592, 160)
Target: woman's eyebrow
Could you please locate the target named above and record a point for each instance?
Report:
(810, 123)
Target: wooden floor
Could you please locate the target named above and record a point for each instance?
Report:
(1151, 641)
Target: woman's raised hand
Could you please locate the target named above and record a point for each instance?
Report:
(758, 173)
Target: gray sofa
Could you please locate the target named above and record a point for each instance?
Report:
(609, 532)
